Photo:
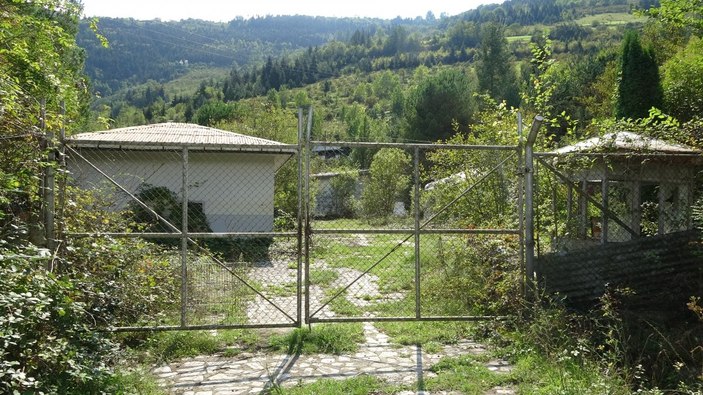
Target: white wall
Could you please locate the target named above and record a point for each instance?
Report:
(236, 189)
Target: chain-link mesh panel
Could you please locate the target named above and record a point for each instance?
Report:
(233, 254)
(258, 285)
(146, 186)
(361, 275)
(619, 221)
(469, 275)
(471, 189)
(379, 235)
(586, 200)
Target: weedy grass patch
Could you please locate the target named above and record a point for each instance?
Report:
(360, 385)
(467, 374)
(325, 338)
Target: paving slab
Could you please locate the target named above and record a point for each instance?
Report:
(254, 373)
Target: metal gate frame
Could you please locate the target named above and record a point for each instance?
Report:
(419, 227)
(188, 239)
(414, 233)
(304, 232)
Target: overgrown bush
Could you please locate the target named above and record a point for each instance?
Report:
(168, 206)
(47, 343)
(389, 178)
(124, 281)
(609, 349)
(477, 274)
(343, 189)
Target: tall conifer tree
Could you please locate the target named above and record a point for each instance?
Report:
(640, 86)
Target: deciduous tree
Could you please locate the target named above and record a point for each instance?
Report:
(683, 82)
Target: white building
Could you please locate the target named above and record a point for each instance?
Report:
(229, 177)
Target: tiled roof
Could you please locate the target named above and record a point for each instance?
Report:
(626, 141)
(169, 134)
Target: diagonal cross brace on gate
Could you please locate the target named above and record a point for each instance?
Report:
(414, 234)
(420, 228)
(184, 233)
(306, 233)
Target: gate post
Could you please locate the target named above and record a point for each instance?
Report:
(184, 239)
(529, 205)
(307, 231)
(299, 274)
(416, 203)
(49, 204)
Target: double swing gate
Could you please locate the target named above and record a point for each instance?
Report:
(253, 234)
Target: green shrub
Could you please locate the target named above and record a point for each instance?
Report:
(389, 179)
(343, 188)
(46, 341)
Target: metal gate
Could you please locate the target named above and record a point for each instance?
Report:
(202, 212)
(197, 209)
(409, 262)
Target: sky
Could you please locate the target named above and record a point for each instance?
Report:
(226, 10)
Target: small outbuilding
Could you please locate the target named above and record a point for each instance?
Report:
(228, 177)
(645, 185)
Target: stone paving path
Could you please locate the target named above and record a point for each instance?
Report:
(254, 373)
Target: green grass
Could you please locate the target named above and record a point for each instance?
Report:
(164, 347)
(281, 290)
(535, 374)
(394, 273)
(188, 83)
(342, 306)
(423, 333)
(360, 385)
(467, 374)
(525, 39)
(323, 277)
(135, 381)
(325, 338)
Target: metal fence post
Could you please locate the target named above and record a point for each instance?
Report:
(529, 204)
(416, 175)
(308, 230)
(301, 224)
(604, 199)
(49, 203)
(521, 200)
(184, 240)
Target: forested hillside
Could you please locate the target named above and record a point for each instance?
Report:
(377, 70)
(158, 50)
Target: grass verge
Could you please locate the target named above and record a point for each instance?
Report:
(325, 338)
(361, 385)
(423, 333)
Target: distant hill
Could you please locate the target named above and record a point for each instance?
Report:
(161, 51)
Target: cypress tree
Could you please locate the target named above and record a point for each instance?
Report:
(640, 86)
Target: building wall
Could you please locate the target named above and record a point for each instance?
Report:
(235, 189)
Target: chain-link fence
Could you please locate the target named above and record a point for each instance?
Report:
(590, 199)
(612, 219)
(253, 233)
(200, 218)
(421, 234)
